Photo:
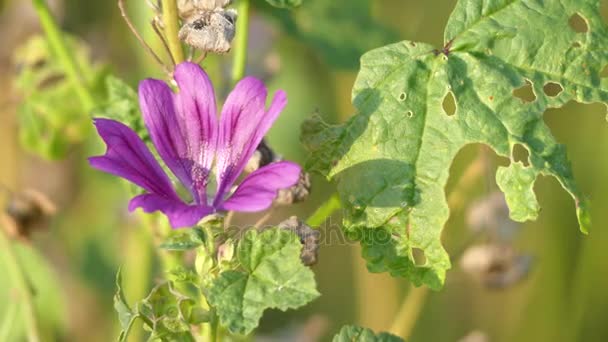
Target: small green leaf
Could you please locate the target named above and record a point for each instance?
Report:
(402, 140)
(351, 333)
(285, 3)
(183, 240)
(272, 276)
(126, 316)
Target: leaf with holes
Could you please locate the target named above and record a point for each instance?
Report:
(391, 160)
(354, 333)
(272, 276)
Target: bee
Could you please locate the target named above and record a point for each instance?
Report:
(25, 213)
(207, 24)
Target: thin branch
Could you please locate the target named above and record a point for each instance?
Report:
(162, 38)
(125, 16)
(264, 219)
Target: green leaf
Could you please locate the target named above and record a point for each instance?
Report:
(402, 141)
(50, 120)
(184, 240)
(340, 30)
(272, 276)
(123, 105)
(285, 3)
(126, 316)
(350, 333)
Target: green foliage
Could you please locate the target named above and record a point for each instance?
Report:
(285, 3)
(402, 141)
(350, 333)
(340, 30)
(271, 276)
(50, 118)
(166, 313)
(48, 299)
(123, 105)
(183, 240)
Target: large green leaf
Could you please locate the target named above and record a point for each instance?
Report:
(351, 333)
(392, 159)
(272, 276)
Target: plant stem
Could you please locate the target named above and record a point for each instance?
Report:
(171, 22)
(410, 310)
(22, 288)
(60, 49)
(242, 37)
(324, 211)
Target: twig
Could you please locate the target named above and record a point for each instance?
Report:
(264, 219)
(162, 38)
(409, 311)
(125, 16)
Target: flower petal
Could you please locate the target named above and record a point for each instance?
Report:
(243, 124)
(259, 189)
(183, 126)
(128, 157)
(180, 215)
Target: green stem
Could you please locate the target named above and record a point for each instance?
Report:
(242, 38)
(324, 211)
(62, 52)
(15, 272)
(171, 22)
(410, 310)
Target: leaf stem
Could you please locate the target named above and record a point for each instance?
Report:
(171, 22)
(22, 288)
(60, 49)
(410, 310)
(242, 38)
(324, 211)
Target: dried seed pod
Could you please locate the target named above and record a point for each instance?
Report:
(296, 193)
(210, 31)
(309, 237)
(263, 156)
(497, 266)
(26, 212)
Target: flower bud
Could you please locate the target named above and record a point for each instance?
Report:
(297, 193)
(210, 30)
(497, 266)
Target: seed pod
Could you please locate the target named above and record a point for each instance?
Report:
(308, 236)
(210, 31)
(297, 193)
(25, 213)
(497, 266)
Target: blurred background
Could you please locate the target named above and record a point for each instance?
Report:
(547, 283)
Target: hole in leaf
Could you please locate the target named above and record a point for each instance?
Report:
(419, 257)
(604, 72)
(553, 89)
(578, 23)
(409, 114)
(525, 92)
(576, 45)
(521, 154)
(449, 104)
(402, 97)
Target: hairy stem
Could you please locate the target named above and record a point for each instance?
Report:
(171, 22)
(61, 51)
(242, 38)
(324, 211)
(410, 310)
(22, 289)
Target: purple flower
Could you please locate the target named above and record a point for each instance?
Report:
(189, 138)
